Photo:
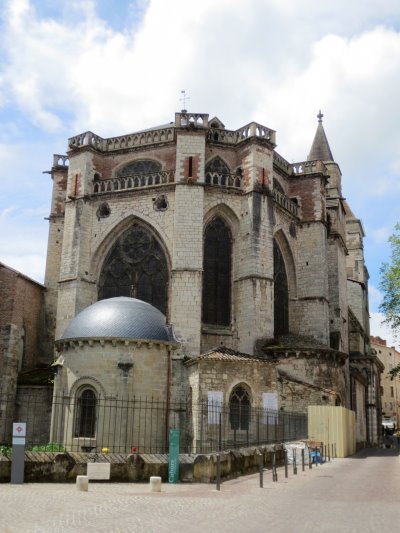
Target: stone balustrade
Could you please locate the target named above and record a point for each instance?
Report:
(234, 137)
(224, 180)
(133, 182)
(167, 134)
(60, 160)
(286, 203)
(282, 164)
(309, 167)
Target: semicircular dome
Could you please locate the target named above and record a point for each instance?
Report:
(119, 318)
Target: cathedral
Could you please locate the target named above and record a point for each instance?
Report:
(190, 261)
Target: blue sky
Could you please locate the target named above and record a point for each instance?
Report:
(117, 67)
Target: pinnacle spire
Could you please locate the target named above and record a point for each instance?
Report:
(320, 149)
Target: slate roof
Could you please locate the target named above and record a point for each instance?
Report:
(222, 353)
(320, 150)
(119, 318)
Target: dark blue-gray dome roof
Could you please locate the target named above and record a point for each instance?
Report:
(119, 318)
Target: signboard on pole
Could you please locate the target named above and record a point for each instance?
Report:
(18, 452)
(173, 456)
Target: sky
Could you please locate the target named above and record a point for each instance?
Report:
(118, 67)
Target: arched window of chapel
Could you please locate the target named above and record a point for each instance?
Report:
(136, 266)
(217, 267)
(239, 408)
(85, 413)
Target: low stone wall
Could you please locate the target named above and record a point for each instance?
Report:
(61, 467)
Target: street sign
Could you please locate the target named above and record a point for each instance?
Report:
(18, 453)
(173, 457)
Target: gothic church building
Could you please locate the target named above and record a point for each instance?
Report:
(189, 258)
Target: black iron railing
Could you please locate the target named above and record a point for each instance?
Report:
(140, 425)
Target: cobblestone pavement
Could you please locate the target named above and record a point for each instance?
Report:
(358, 494)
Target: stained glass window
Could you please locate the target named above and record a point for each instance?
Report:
(136, 267)
(216, 308)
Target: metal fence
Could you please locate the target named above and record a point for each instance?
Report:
(140, 425)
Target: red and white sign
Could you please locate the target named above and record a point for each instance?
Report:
(19, 429)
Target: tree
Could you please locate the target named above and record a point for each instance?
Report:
(390, 286)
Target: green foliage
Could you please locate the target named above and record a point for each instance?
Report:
(390, 284)
(51, 447)
(5, 450)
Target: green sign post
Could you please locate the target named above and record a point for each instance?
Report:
(173, 457)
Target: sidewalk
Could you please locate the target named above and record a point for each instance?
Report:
(358, 494)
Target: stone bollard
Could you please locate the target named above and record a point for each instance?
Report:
(82, 483)
(155, 484)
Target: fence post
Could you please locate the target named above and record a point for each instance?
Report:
(274, 472)
(218, 476)
(220, 432)
(261, 468)
(286, 464)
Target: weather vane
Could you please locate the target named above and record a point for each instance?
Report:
(183, 99)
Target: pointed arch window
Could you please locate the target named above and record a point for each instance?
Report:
(281, 294)
(86, 413)
(136, 267)
(216, 168)
(217, 266)
(145, 166)
(239, 408)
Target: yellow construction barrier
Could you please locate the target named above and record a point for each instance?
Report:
(333, 425)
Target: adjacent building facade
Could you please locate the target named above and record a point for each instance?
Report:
(390, 388)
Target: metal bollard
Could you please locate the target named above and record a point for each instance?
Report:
(332, 452)
(316, 457)
(218, 472)
(309, 459)
(261, 469)
(322, 453)
(294, 462)
(286, 464)
(329, 453)
(303, 462)
(274, 472)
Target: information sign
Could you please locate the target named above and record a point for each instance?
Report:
(173, 457)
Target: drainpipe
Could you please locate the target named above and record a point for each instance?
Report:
(168, 399)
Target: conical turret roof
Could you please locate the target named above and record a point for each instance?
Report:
(320, 149)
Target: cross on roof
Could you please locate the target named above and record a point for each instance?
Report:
(183, 99)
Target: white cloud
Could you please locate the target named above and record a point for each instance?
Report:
(375, 297)
(274, 61)
(378, 329)
(381, 235)
(23, 239)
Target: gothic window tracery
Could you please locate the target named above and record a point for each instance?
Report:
(239, 408)
(145, 166)
(216, 300)
(136, 267)
(216, 167)
(281, 294)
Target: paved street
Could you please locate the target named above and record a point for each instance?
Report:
(359, 494)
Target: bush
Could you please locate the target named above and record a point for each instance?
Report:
(51, 447)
